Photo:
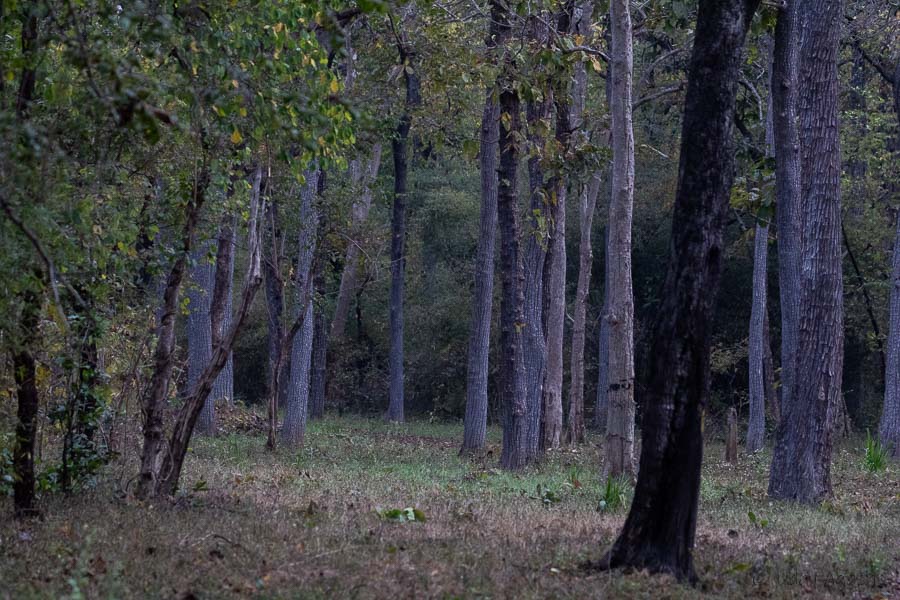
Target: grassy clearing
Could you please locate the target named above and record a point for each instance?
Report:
(312, 524)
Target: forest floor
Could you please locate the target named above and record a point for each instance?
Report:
(328, 522)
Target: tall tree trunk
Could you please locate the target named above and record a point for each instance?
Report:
(601, 408)
(756, 428)
(360, 213)
(620, 316)
(296, 408)
(319, 355)
(274, 284)
(801, 464)
(658, 534)
(220, 308)
(787, 187)
(25, 374)
(475, 420)
(773, 400)
(199, 332)
(587, 203)
(398, 233)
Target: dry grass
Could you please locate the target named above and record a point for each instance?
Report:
(307, 525)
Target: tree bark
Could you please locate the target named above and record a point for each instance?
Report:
(319, 356)
(221, 307)
(475, 419)
(27, 399)
(360, 213)
(801, 463)
(400, 148)
(296, 409)
(274, 284)
(199, 332)
(601, 408)
(620, 316)
(756, 428)
(658, 534)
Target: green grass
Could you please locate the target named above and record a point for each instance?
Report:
(323, 523)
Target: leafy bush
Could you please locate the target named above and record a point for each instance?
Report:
(876, 455)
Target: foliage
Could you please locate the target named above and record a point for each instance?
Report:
(876, 455)
(614, 494)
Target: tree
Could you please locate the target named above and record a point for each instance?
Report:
(756, 429)
(199, 330)
(659, 532)
(220, 308)
(399, 146)
(620, 314)
(801, 463)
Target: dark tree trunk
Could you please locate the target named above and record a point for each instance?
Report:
(398, 233)
(475, 420)
(319, 358)
(25, 373)
(801, 463)
(659, 532)
(601, 408)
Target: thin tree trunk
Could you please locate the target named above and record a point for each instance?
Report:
(199, 332)
(27, 399)
(658, 534)
(274, 284)
(801, 464)
(398, 234)
(620, 316)
(773, 402)
(575, 427)
(319, 356)
(587, 203)
(756, 428)
(360, 213)
(475, 420)
(601, 409)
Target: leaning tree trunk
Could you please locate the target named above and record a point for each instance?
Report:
(296, 408)
(801, 463)
(620, 313)
(756, 428)
(398, 234)
(475, 420)
(658, 534)
(889, 429)
(221, 308)
(360, 213)
(199, 332)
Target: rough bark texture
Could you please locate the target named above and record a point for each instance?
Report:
(801, 463)
(296, 408)
(659, 532)
(787, 187)
(221, 306)
(475, 420)
(756, 427)
(360, 213)
(620, 314)
(400, 148)
(199, 331)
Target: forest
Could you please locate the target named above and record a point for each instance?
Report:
(449, 299)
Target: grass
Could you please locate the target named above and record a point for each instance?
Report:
(325, 523)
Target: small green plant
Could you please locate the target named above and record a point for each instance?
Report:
(757, 522)
(403, 515)
(613, 495)
(876, 455)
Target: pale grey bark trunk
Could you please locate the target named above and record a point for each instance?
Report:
(475, 420)
(360, 212)
(620, 317)
(889, 429)
(756, 428)
(223, 388)
(801, 465)
(199, 331)
(554, 315)
(296, 407)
